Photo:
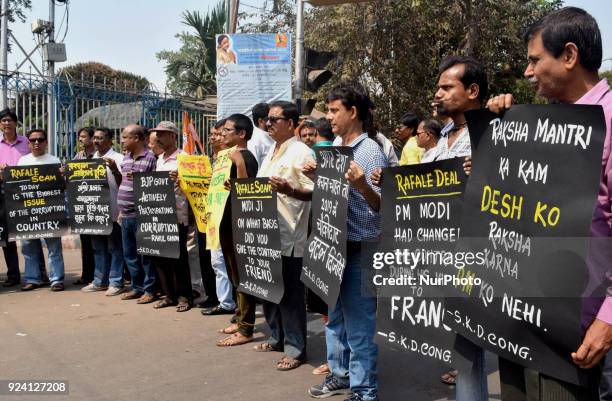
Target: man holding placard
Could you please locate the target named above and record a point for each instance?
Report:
(283, 164)
(30, 248)
(564, 52)
(108, 249)
(137, 159)
(352, 321)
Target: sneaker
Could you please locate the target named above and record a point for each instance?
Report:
(330, 386)
(112, 291)
(357, 397)
(93, 288)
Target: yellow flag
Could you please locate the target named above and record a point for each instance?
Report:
(194, 177)
(217, 197)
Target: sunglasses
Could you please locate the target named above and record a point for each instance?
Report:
(37, 140)
(274, 119)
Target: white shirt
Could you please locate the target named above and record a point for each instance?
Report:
(429, 155)
(112, 183)
(293, 214)
(31, 160)
(259, 144)
(388, 150)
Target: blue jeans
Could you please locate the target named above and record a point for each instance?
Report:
(32, 255)
(351, 351)
(224, 286)
(140, 267)
(108, 258)
(471, 382)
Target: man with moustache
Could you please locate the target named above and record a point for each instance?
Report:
(564, 53)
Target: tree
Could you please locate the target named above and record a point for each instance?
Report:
(16, 12)
(100, 74)
(394, 48)
(191, 70)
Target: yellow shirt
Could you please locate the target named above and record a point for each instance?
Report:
(411, 153)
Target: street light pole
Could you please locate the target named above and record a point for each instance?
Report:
(52, 133)
(299, 52)
(4, 53)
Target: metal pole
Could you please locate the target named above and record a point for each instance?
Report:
(228, 6)
(299, 51)
(51, 91)
(4, 53)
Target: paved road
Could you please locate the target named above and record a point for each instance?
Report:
(110, 349)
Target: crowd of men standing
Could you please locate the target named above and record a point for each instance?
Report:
(564, 54)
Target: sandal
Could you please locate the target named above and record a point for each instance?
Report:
(321, 370)
(449, 377)
(264, 347)
(231, 329)
(183, 305)
(164, 303)
(234, 339)
(288, 363)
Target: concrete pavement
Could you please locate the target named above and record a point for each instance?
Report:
(110, 349)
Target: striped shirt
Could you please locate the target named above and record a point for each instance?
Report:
(125, 197)
(460, 148)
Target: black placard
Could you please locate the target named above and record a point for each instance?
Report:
(3, 228)
(158, 231)
(421, 212)
(528, 208)
(35, 202)
(88, 197)
(257, 238)
(325, 258)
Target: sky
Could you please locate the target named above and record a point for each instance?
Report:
(126, 34)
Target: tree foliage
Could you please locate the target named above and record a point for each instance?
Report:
(191, 70)
(394, 47)
(98, 74)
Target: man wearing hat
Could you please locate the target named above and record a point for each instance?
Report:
(174, 275)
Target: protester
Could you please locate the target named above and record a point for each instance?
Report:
(261, 142)
(283, 164)
(564, 53)
(308, 133)
(223, 300)
(173, 273)
(236, 132)
(427, 136)
(108, 249)
(406, 132)
(12, 147)
(325, 136)
(31, 248)
(87, 253)
(352, 321)
(137, 159)
(153, 145)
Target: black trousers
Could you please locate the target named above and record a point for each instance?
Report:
(12, 261)
(87, 259)
(173, 274)
(208, 274)
(287, 320)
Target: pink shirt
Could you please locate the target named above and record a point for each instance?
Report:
(600, 264)
(11, 152)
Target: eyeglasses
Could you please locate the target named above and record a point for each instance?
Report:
(37, 140)
(273, 119)
(226, 130)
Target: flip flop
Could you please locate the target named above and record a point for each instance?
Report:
(233, 340)
(164, 303)
(264, 347)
